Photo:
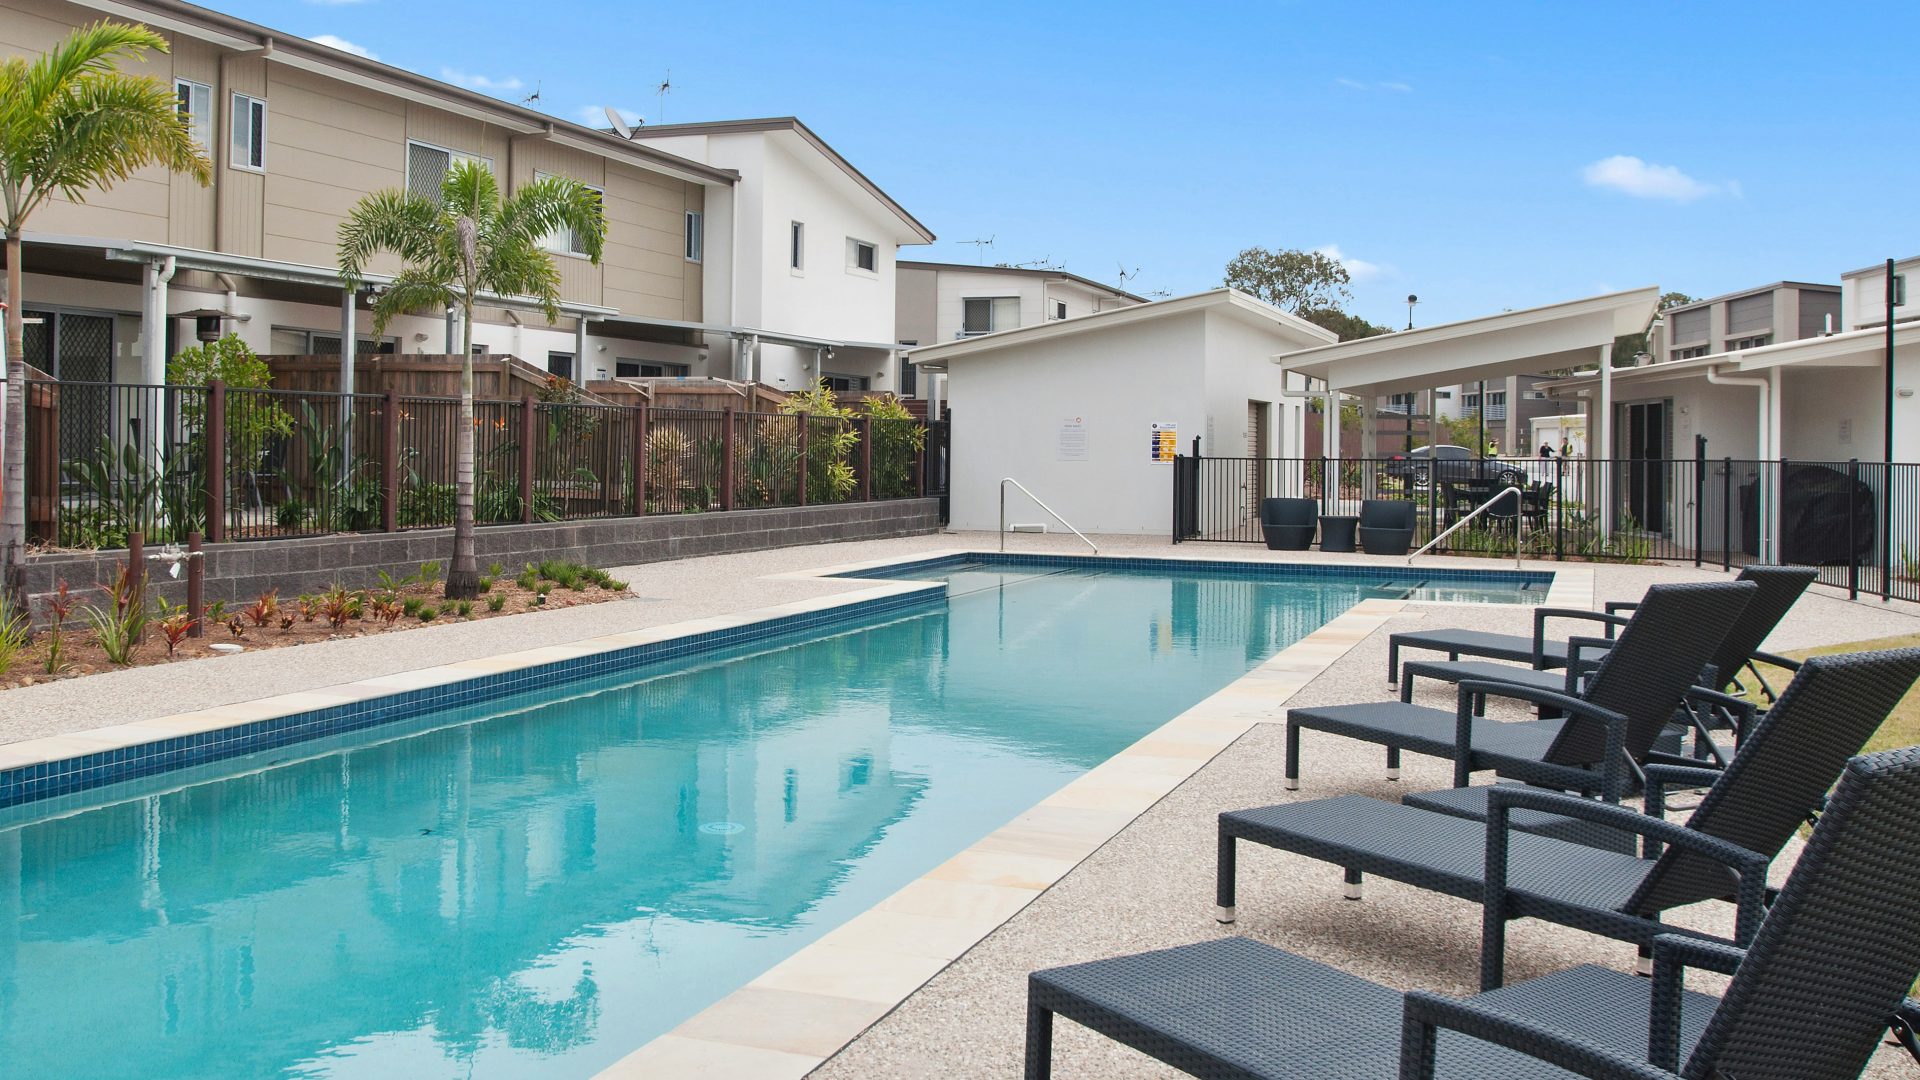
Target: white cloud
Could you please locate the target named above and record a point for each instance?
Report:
(333, 41)
(1645, 180)
(1357, 269)
(595, 116)
(1392, 86)
(481, 82)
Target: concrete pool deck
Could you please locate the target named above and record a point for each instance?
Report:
(1119, 861)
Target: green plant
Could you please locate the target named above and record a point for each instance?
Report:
(541, 590)
(217, 611)
(411, 605)
(124, 491)
(464, 608)
(337, 606)
(427, 614)
(449, 607)
(486, 583)
(262, 611)
(614, 585)
(496, 570)
(897, 441)
(16, 631)
(59, 609)
(175, 625)
(831, 441)
(1909, 566)
(495, 602)
(291, 514)
(251, 429)
(73, 121)
(118, 625)
(346, 496)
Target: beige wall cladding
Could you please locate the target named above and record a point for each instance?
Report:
(580, 280)
(242, 198)
(429, 125)
(692, 299)
(646, 267)
(333, 144)
(191, 205)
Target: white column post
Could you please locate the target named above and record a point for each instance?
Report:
(450, 336)
(580, 350)
(1603, 452)
(349, 344)
(1774, 451)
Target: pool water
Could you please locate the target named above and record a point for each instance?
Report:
(537, 886)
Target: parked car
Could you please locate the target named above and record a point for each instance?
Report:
(1422, 464)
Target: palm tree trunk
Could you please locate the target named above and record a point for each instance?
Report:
(13, 475)
(463, 577)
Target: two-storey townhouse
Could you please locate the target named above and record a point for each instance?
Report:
(806, 266)
(1749, 319)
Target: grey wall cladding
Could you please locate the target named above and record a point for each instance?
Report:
(238, 571)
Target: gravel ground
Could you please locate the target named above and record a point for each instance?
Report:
(1149, 887)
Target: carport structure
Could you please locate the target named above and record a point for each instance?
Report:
(1574, 334)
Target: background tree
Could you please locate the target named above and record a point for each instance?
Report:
(1343, 324)
(468, 242)
(70, 122)
(1628, 346)
(1293, 281)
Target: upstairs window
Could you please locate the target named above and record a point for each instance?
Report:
(696, 236)
(797, 246)
(249, 149)
(194, 102)
(986, 314)
(1059, 309)
(862, 255)
(565, 241)
(428, 165)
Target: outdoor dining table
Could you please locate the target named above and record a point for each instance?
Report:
(1337, 531)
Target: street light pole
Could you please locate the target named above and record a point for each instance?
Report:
(1411, 300)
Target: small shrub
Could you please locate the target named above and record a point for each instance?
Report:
(543, 589)
(217, 612)
(496, 570)
(290, 514)
(117, 626)
(175, 625)
(59, 609)
(486, 583)
(614, 585)
(429, 574)
(286, 623)
(465, 609)
(449, 607)
(411, 606)
(427, 614)
(495, 602)
(309, 607)
(337, 606)
(262, 611)
(15, 632)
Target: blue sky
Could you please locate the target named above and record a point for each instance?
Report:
(1490, 157)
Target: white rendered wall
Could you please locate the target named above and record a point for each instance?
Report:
(1008, 407)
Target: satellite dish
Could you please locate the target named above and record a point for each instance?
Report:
(619, 123)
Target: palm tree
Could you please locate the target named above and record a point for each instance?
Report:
(467, 242)
(70, 122)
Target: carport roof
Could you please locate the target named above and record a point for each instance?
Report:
(1525, 342)
(1854, 348)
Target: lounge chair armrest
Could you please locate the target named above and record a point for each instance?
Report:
(1774, 660)
(1615, 607)
(1542, 614)
(1749, 866)
(1425, 1013)
(1706, 696)
(1575, 708)
(1660, 777)
(1673, 954)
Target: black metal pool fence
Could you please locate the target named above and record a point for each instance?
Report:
(108, 459)
(1857, 521)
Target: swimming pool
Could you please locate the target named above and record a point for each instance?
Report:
(535, 884)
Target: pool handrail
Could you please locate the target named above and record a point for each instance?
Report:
(1518, 496)
(1004, 481)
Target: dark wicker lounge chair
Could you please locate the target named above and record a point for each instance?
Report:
(1780, 588)
(1809, 999)
(1289, 524)
(1609, 728)
(1386, 526)
(1752, 809)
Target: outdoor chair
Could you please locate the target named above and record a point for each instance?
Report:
(1536, 502)
(1289, 524)
(1606, 730)
(1386, 526)
(1780, 588)
(1809, 999)
(1751, 809)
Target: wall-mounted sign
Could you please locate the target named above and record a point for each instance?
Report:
(1072, 444)
(1166, 442)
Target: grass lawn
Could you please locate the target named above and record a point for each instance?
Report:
(1903, 727)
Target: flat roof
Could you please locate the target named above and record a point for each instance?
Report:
(916, 264)
(293, 49)
(793, 124)
(1524, 342)
(936, 357)
(1724, 297)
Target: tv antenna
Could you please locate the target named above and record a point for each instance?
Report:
(1127, 275)
(619, 123)
(532, 98)
(1045, 263)
(980, 248)
(661, 91)
(1160, 294)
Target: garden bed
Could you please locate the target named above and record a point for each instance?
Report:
(271, 621)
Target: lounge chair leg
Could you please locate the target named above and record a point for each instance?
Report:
(1039, 1042)
(1643, 963)
(1223, 887)
(1293, 756)
(1393, 663)
(1393, 763)
(1354, 884)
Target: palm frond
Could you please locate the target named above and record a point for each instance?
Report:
(552, 203)
(413, 289)
(390, 221)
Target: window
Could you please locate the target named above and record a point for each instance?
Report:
(1059, 309)
(564, 241)
(696, 236)
(844, 382)
(648, 369)
(1753, 342)
(427, 168)
(863, 256)
(194, 101)
(249, 149)
(1692, 351)
(291, 341)
(985, 314)
(561, 364)
(1443, 395)
(796, 245)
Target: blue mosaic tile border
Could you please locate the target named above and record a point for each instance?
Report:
(46, 780)
(1212, 568)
